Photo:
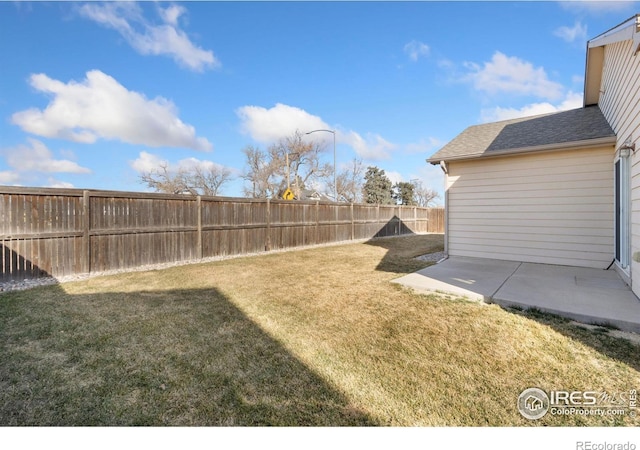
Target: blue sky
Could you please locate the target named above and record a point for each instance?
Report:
(91, 94)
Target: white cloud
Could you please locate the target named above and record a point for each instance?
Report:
(446, 64)
(512, 75)
(36, 157)
(147, 162)
(577, 79)
(151, 39)
(572, 34)
(424, 145)
(394, 177)
(53, 183)
(270, 125)
(9, 177)
(69, 154)
(191, 163)
(416, 49)
(571, 101)
(100, 107)
(171, 14)
(374, 147)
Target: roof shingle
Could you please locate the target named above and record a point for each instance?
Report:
(517, 135)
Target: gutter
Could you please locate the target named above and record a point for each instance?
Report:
(445, 169)
(574, 145)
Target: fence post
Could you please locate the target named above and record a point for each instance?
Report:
(267, 245)
(415, 219)
(353, 224)
(86, 231)
(199, 226)
(317, 222)
(336, 211)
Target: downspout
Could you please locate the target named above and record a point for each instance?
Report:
(445, 169)
(626, 153)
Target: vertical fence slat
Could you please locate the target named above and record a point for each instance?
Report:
(51, 232)
(86, 229)
(199, 227)
(268, 244)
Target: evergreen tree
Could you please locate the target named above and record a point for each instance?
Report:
(377, 187)
(403, 193)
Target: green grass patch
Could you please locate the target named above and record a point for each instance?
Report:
(317, 337)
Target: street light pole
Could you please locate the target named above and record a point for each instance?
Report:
(335, 186)
(288, 183)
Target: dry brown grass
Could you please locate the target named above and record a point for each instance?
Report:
(312, 337)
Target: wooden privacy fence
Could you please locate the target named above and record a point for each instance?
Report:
(58, 232)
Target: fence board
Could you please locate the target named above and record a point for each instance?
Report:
(57, 232)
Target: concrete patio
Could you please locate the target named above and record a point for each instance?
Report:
(587, 295)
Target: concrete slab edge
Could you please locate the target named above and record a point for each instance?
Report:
(458, 292)
(583, 318)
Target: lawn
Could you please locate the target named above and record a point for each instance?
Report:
(312, 337)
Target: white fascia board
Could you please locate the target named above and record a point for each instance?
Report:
(623, 32)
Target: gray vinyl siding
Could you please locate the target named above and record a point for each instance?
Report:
(548, 207)
(620, 104)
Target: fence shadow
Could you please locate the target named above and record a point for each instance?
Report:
(394, 227)
(403, 247)
(154, 358)
(17, 267)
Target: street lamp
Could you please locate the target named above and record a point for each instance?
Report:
(335, 186)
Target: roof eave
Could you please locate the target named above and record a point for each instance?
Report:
(622, 32)
(574, 145)
(627, 30)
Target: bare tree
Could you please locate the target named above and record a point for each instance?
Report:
(261, 174)
(162, 180)
(292, 160)
(424, 196)
(350, 182)
(304, 162)
(211, 180)
(195, 181)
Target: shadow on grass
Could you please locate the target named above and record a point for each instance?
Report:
(402, 251)
(180, 357)
(599, 338)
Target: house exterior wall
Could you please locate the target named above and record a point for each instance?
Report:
(552, 207)
(620, 104)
